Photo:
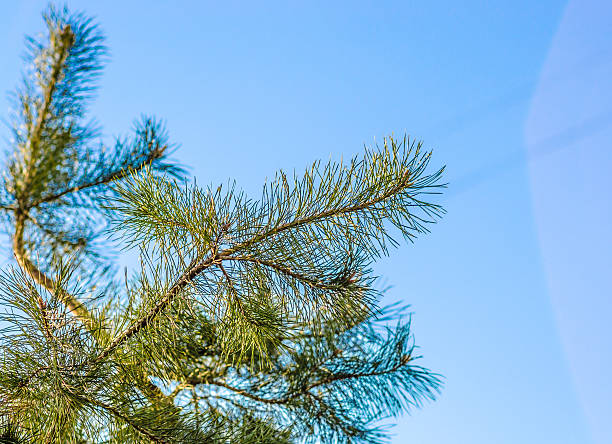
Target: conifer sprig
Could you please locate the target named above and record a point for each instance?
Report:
(250, 320)
(307, 245)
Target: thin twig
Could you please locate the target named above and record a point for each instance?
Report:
(111, 177)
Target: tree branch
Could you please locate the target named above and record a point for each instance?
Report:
(117, 414)
(335, 212)
(115, 175)
(305, 390)
(187, 277)
(343, 377)
(72, 303)
(232, 288)
(66, 38)
(314, 283)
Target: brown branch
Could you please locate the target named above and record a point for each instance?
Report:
(66, 37)
(116, 175)
(72, 303)
(118, 414)
(305, 390)
(104, 180)
(335, 212)
(43, 309)
(286, 271)
(241, 392)
(183, 281)
(66, 242)
(342, 377)
(233, 290)
(20, 210)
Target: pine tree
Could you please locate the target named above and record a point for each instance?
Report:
(248, 320)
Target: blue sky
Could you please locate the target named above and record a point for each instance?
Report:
(511, 290)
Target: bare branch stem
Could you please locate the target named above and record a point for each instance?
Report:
(71, 302)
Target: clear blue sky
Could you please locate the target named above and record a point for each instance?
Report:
(511, 291)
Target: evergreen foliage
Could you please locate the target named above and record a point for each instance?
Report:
(249, 320)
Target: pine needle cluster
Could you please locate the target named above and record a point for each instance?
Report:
(249, 320)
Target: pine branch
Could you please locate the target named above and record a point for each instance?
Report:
(122, 417)
(71, 56)
(183, 281)
(343, 377)
(307, 280)
(267, 304)
(71, 302)
(333, 382)
(329, 214)
(192, 381)
(129, 192)
(66, 39)
(105, 180)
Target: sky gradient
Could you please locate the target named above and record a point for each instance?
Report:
(511, 290)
